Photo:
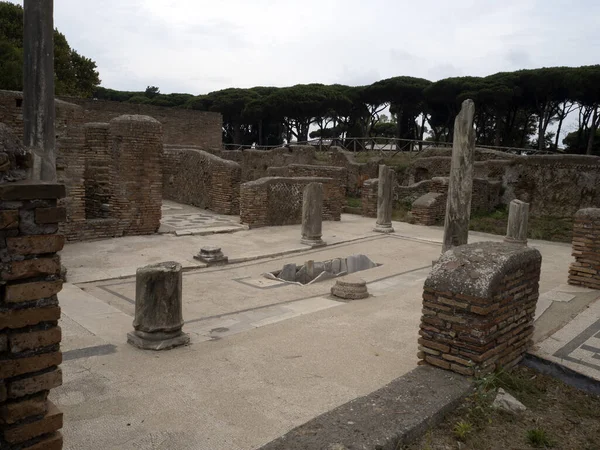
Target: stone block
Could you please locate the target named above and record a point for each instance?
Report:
(25, 292)
(35, 244)
(356, 263)
(20, 318)
(27, 190)
(50, 215)
(9, 219)
(38, 383)
(288, 273)
(3, 393)
(211, 255)
(52, 421)
(14, 412)
(13, 367)
(3, 342)
(30, 268)
(20, 342)
(53, 442)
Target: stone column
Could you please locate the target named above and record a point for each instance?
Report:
(158, 308)
(518, 218)
(312, 215)
(385, 200)
(460, 189)
(38, 87)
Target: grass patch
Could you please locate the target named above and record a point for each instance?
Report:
(557, 416)
(538, 438)
(543, 228)
(354, 202)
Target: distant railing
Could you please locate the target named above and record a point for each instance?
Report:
(385, 146)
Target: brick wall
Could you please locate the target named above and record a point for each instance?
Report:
(307, 170)
(180, 126)
(478, 307)
(357, 173)
(430, 208)
(255, 163)
(585, 271)
(29, 333)
(97, 171)
(368, 197)
(278, 200)
(201, 179)
(136, 174)
(125, 161)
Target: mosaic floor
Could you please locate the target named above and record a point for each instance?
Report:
(185, 219)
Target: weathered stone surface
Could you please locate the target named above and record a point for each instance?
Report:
(14, 159)
(38, 383)
(312, 216)
(50, 215)
(52, 421)
(13, 412)
(35, 245)
(356, 263)
(9, 220)
(350, 288)
(54, 441)
(518, 219)
(38, 87)
(507, 402)
(288, 273)
(158, 307)
(29, 190)
(385, 200)
(20, 342)
(13, 367)
(585, 271)
(19, 318)
(24, 292)
(458, 206)
(29, 268)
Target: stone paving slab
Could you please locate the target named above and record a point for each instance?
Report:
(577, 344)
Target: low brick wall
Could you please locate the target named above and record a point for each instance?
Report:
(198, 178)
(307, 170)
(357, 173)
(113, 176)
(369, 194)
(255, 163)
(29, 333)
(585, 271)
(430, 208)
(478, 307)
(278, 200)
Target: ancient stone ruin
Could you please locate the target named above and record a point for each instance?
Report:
(585, 271)
(478, 307)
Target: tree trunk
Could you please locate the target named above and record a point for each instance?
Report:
(541, 131)
(593, 129)
(497, 132)
(260, 132)
(560, 122)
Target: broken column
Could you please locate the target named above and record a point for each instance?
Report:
(478, 307)
(385, 200)
(158, 308)
(312, 215)
(518, 218)
(460, 189)
(350, 288)
(38, 87)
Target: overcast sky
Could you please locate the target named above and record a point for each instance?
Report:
(198, 46)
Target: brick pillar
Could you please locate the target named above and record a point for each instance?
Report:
(585, 271)
(478, 307)
(369, 197)
(29, 312)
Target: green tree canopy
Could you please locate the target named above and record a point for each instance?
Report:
(74, 74)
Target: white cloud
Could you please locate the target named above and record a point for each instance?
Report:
(198, 46)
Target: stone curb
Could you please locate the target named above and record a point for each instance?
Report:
(390, 417)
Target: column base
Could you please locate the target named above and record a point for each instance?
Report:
(313, 242)
(510, 240)
(383, 228)
(157, 341)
